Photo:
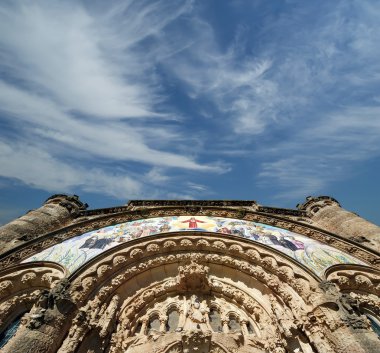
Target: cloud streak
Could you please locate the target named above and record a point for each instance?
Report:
(77, 87)
(336, 76)
(306, 102)
(144, 94)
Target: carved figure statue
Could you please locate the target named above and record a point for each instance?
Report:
(329, 288)
(350, 304)
(105, 322)
(197, 315)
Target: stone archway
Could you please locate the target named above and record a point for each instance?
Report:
(117, 293)
(192, 292)
(262, 286)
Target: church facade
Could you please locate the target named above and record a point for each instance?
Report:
(189, 277)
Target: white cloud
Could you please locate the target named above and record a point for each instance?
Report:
(114, 140)
(78, 86)
(83, 84)
(309, 99)
(323, 153)
(197, 187)
(61, 50)
(156, 176)
(39, 169)
(239, 90)
(328, 73)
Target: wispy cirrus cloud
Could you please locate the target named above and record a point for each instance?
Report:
(145, 93)
(237, 87)
(81, 91)
(304, 102)
(327, 151)
(86, 61)
(39, 169)
(339, 127)
(106, 139)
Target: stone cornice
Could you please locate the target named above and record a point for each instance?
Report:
(193, 205)
(281, 211)
(197, 203)
(36, 245)
(67, 201)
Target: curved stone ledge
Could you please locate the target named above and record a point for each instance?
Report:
(44, 242)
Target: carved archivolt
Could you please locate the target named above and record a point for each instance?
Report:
(29, 276)
(274, 271)
(355, 278)
(179, 292)
(284, 301)
(212, 314)
(289, 285)
(360, 288)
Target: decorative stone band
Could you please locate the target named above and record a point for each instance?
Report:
(47, 241)
(351, 277)
(75, 252)
(102, 277)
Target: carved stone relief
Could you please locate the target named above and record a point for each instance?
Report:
(145, 324)
(198, 294)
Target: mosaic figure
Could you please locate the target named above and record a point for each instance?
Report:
(75, 252)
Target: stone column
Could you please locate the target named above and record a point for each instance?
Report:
(326, 213)
(244, 329)
(163, 320)
(56, 212)
(144, 325)
(225, 327)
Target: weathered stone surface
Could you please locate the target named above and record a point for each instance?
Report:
(55, 213)
(198, 293)
(327, 214)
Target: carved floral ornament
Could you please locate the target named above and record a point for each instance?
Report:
(107, 220)
(144, 316)
(251, 285)
(276, 309)
(148, 254)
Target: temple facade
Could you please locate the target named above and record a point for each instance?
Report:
(189, 277)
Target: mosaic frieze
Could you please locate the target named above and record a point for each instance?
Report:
(75, 252)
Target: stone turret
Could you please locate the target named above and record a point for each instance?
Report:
(327, 213)
(56, 212)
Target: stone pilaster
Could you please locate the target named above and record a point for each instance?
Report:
(56, 212)
(327, 214)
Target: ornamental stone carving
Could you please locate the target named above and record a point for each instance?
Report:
(192, 291)
(193, 277)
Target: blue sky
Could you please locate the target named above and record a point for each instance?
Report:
(116, 100)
